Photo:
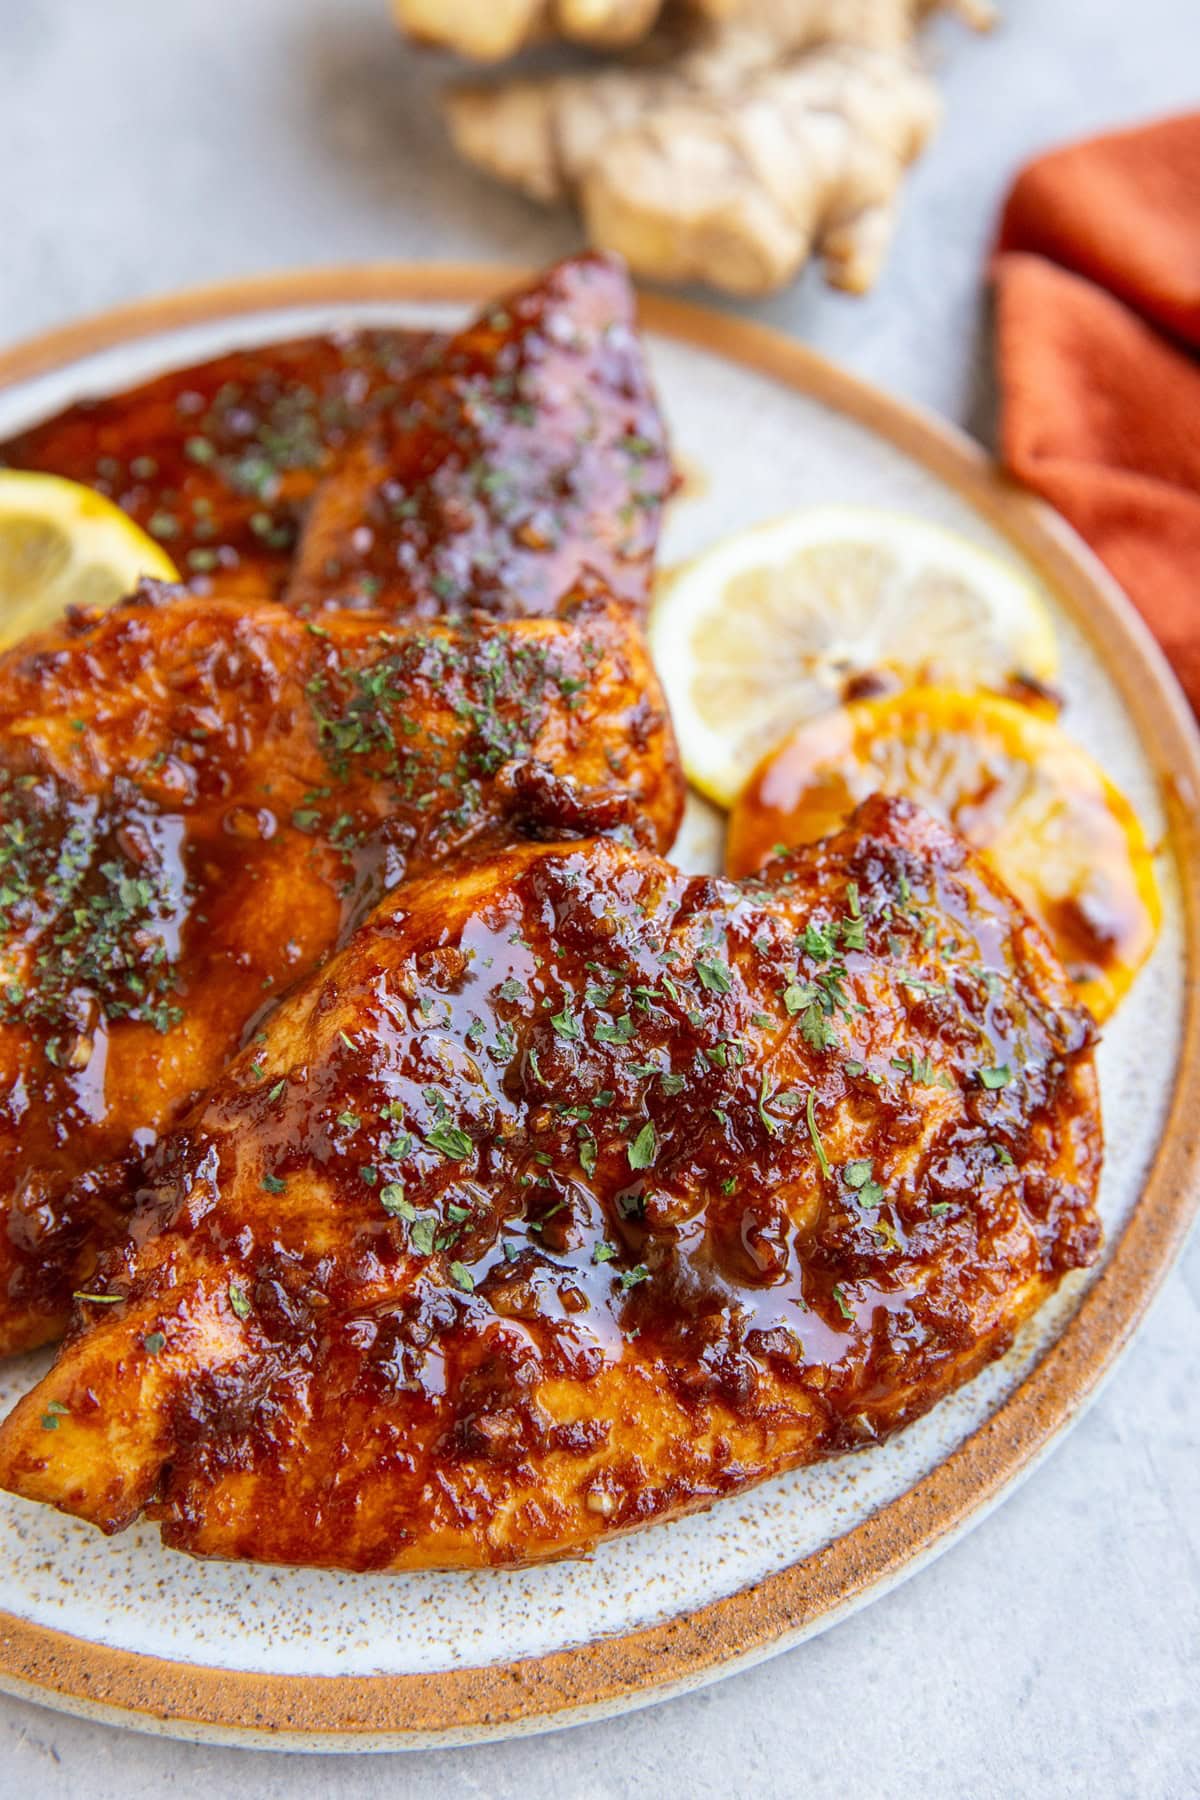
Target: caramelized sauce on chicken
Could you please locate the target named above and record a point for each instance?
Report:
(219, 461)
(576, 1192)
(528, 455)
(200, 799)
(497, 469)
(436, 1175)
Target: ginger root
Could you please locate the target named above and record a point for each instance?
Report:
(742, 137)
(489, 30)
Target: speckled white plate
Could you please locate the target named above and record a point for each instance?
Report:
(126, 1630)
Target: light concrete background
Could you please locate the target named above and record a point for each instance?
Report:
(1057, 1650)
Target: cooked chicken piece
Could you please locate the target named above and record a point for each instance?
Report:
(529, 456)
(577, 1192)
(199, 800)
(219, 461)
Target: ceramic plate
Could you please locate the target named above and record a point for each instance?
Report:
(125, 1630)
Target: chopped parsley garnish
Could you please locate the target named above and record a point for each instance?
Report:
(819, 941)
(714, 976)
(462, 1277)
(565, 1023)
(153, 1342)
(814, 1134)
(451, 1140)
(859, 1176)
(917, 1068)
(238, 1300)
(847, 1312)
(623, 1032)
(96, 925)
(644, 1148)
(604, 1252)
(817, 1031)
(498, 691)
(631, 1277)
(421, 1234)
(55, 1411)
(996, 1078)
(274, 1184)
(815, 1002)
(392, 1200)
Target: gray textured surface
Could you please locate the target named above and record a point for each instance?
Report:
(1057, 1650)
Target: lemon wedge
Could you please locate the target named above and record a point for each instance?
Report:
(777, 624)
(1049, 821)
(63, 545)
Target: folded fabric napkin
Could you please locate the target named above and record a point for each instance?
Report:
(1098, 319)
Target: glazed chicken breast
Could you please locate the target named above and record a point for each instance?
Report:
(576, 1192)
(526, 457)
(200, 799)
(219, 460)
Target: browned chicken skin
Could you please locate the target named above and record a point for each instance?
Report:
(527, 457)
(200, 798)
(495, 469)
(576, 1192)
(219, 461)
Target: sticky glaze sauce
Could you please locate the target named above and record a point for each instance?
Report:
(529, 458)
(219, 461)
(242, 789)
(472, 1179)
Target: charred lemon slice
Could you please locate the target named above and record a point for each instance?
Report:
(775, 625)
(63, 545)
(1049, 821)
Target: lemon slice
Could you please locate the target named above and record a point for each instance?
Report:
(772, 626)
(63, 545)
(1046, 817)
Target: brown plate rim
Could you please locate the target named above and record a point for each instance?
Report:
(602, 1677)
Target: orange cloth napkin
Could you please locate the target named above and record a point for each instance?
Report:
(1098, 320)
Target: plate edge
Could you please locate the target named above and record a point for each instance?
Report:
(569, 1686)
